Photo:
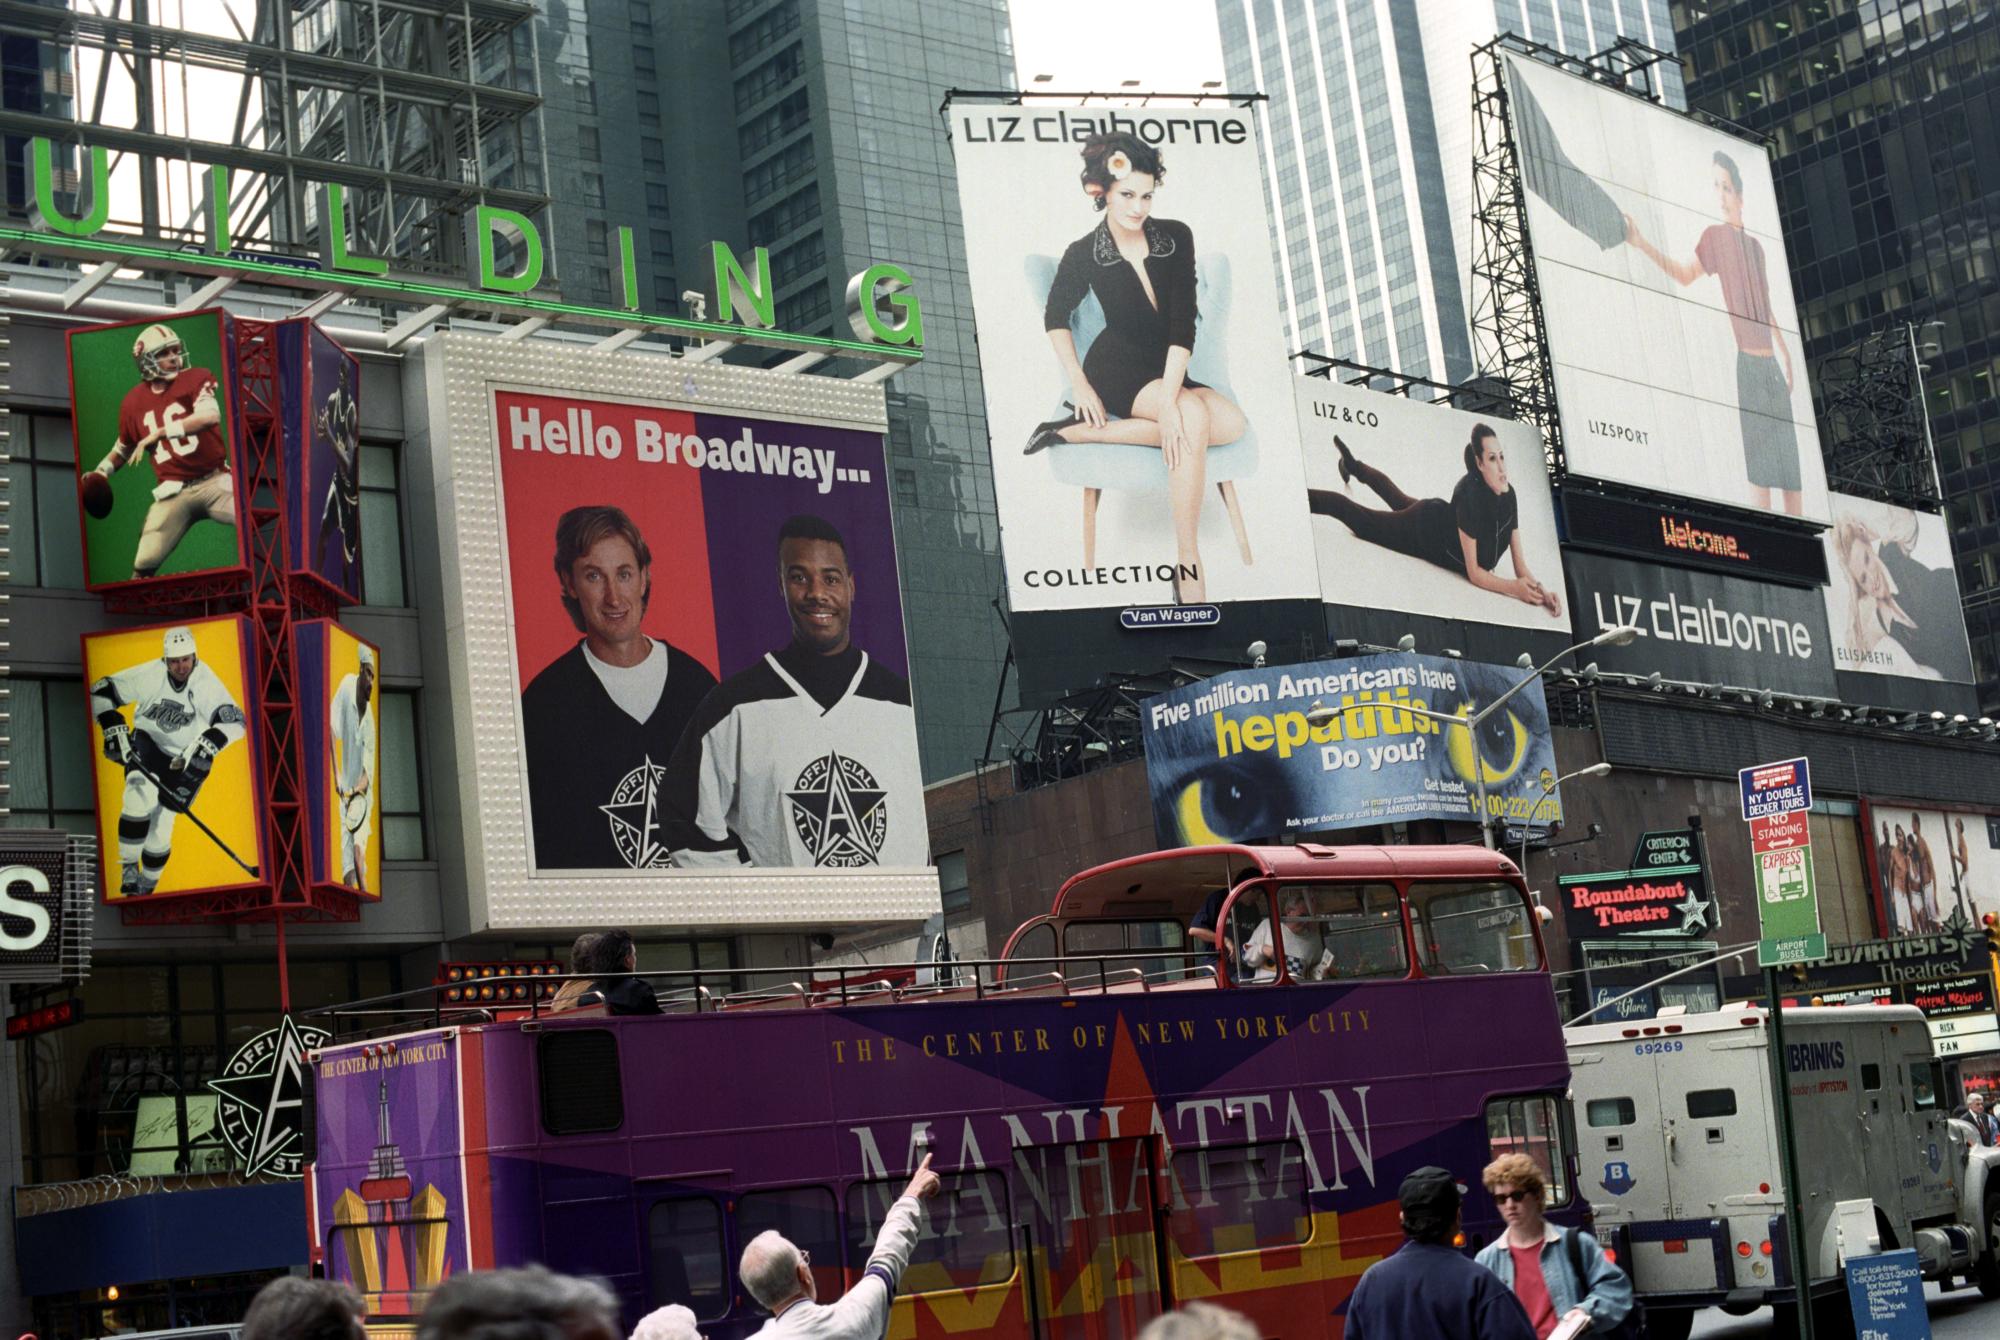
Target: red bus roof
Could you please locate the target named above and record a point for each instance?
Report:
(1174, 883)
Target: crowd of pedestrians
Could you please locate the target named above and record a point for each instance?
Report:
(1533, 1282)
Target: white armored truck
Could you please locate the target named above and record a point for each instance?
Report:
(1677, 1136)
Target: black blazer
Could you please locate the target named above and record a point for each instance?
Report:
(627, 995)
(1092, 263)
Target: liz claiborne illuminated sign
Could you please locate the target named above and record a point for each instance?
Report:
(882, 311)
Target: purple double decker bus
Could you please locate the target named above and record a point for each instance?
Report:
(1125, 1118)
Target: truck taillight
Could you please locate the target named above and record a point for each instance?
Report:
(1611, 1255)
(1763, 1188)
(1677, 1245)
(1743, 1249)
(1765, 1247)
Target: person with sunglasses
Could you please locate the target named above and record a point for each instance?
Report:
(1532, 1259)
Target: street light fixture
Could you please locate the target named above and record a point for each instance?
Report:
(1594, 770)
(1619, 635)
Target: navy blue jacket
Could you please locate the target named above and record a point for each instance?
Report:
(1427, 1290)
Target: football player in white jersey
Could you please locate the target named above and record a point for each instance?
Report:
(352, 719)
(180, 717)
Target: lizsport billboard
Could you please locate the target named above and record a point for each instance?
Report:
(1145, 450)
(1664, 284)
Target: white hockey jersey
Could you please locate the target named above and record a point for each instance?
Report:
(173, 717)
(767, 774)
(353, 724)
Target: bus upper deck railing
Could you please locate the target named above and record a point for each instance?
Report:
(689, 991)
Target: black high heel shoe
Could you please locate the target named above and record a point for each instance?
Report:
(1346, 459)
(1046, 435)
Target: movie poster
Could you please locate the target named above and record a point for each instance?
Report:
(1428, 509)
(1892, 600)
(1931, 863)
(179, 809)
(340, 676)
(322, 401)
(1668, 299)
(1139, 403)
(1235, 758)
(158, 447)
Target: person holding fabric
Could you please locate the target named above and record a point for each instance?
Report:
(1764, 375)
(1467, 535)
(1132, 386)
(1552, 1271)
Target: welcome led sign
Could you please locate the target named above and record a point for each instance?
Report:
(882, 310)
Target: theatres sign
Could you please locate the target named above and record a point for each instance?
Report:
(1663, 894)
(1693, 537)
(1703, 628)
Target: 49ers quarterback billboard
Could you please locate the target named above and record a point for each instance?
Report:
(698, 669)
(158, 448)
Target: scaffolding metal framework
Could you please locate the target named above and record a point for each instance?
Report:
(1876, 437)
(421, 109)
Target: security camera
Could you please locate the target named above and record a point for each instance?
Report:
(695, 302)
(1255, 651)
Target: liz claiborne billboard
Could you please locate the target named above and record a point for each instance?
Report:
(1428, 509)
(1145, 450)
(1238, 757)
(1678, 362)
(683, 651)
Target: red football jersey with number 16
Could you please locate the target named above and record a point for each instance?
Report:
(182, 458)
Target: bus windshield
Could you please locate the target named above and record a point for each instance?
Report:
(1475, 927)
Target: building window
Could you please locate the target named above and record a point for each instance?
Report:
(381, 530)
(587, 143)
(47, 542)
(50, 757)
(402, 779)
(953, 882)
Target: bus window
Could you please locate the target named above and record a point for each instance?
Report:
(1239, 1199)
(1532, 1124)
(1251, 910)
(805, 1214)
(1294, 942)
(684, 1246)
(1360, 927)
(968, 1239)
(1472, 928)
(581, 1088)
(1087, 945)
(1037, 942)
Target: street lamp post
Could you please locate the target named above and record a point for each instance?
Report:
(1618, 636)
(1594, 770)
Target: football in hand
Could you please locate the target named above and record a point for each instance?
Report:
(96, 490)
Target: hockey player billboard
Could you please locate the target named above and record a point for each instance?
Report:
(339, 675)
(158, 448)
(682, 654)
(322, 404)
(178, 808)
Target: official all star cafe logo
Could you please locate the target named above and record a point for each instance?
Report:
(261, 1109)
(839, 811)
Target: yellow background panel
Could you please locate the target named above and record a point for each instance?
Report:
(343, 654)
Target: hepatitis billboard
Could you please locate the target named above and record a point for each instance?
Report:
(1235, 758)
(1668, 301)
(158, 447)
(1892, 601)
(1145, 449)
(1429, 509)
(684, 645)
(178, 805)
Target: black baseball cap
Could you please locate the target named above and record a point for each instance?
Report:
(1431, 1195)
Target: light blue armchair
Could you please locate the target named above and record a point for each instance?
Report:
(1096, 466)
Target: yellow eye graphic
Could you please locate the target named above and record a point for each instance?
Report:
(1188, 808)
(1501, 748)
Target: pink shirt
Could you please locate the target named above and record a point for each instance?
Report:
(1532, 1289)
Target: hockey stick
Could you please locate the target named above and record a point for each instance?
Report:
(195, 819)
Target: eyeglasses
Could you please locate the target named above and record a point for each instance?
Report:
(1508, 1197)
(805, 1258)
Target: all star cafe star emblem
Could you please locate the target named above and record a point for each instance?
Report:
(261, 1110)
(634, 816)
(840, 812)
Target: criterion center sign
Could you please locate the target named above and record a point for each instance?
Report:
(1663, 893)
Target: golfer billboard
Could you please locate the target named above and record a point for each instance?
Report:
(1145, 451)
(1671, 322)
(1273, 754)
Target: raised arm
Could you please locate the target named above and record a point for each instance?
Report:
(1681, 272)
(864, 1309)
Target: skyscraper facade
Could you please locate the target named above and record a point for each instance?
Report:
(1883, 121)
(1367, 142)
(810, 128)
